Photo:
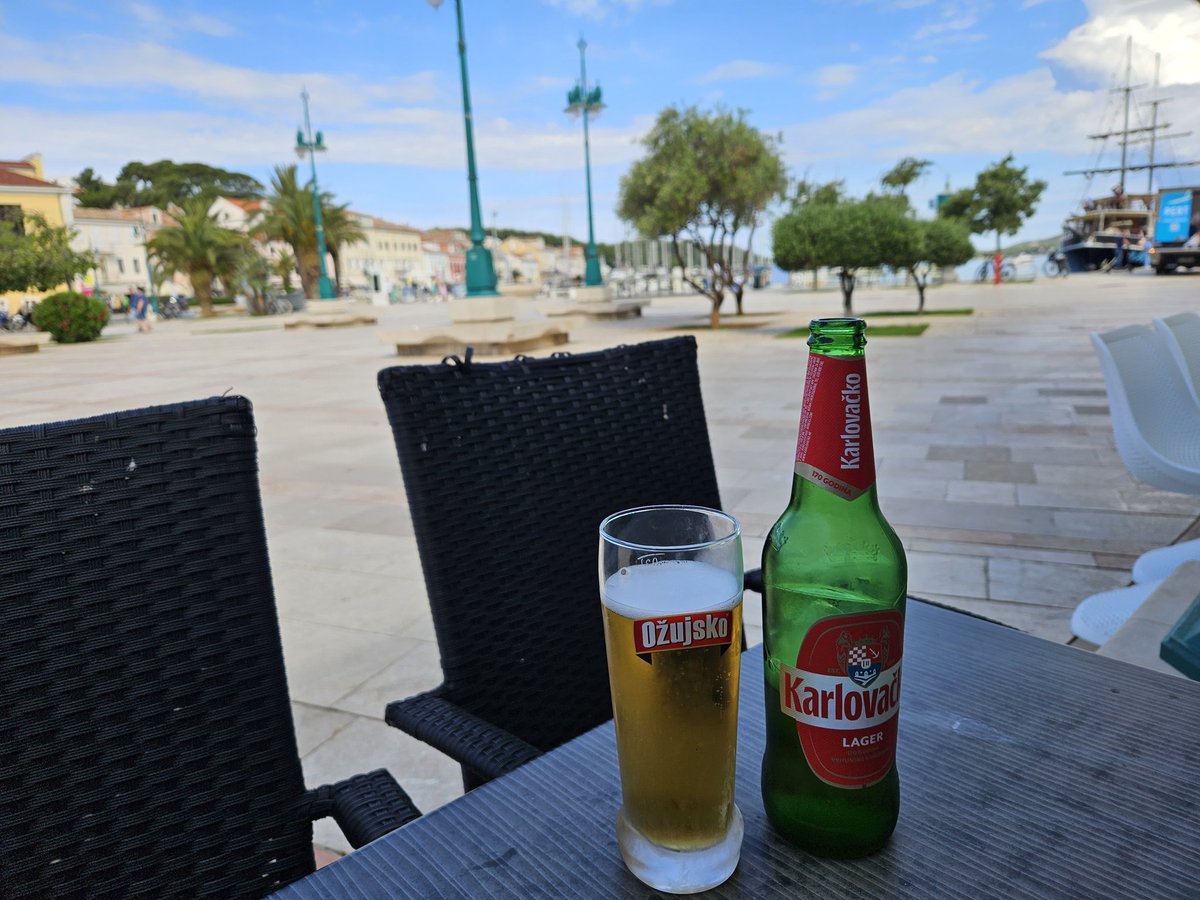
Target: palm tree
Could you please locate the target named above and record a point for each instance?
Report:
(290, 219)
(197, 245)
(340, 231)
(283, 266)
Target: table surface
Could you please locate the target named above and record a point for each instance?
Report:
(1027, 768)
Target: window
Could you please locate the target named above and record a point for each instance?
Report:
(121, 265)
(136, 267)
(13, 217)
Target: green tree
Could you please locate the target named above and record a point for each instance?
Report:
(200, 247)
(340, 231)
(897, 179)
(284, 267)
(705, 178)
(37, 256)
(290, 219)
(1001, 200)
(828, 193)
(846, 237)
(933, 242)
(162, 184)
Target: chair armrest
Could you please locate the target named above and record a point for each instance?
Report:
(753, 581)
(475, 743)
(365, 806)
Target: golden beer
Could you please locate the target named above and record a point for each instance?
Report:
(673, 632)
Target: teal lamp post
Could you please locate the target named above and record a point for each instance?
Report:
(583, 100)
(306, 144)
(481, 272)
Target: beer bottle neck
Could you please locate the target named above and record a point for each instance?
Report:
(834, 451)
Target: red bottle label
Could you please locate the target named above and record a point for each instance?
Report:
(844, 694)
(834, 449)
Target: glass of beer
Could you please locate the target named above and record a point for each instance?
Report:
(671, 587)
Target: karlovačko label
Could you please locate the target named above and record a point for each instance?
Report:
(844, 694)
(834, 449)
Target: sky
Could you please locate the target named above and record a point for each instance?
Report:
(848, 86)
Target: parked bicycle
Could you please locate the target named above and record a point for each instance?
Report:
(17, 321)
(173, 307)
(279, 306)
(1056, 265)
(987, 271)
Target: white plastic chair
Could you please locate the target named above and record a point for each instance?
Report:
(1181, 335)
(1156, 423)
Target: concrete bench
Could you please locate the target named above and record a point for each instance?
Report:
(22, 342)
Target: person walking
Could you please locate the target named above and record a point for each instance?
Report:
(140, 307)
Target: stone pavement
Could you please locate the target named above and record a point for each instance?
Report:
(996, 466)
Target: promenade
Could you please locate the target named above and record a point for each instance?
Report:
(995, 457)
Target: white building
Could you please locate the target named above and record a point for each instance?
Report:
(118, 238)
(391, 256)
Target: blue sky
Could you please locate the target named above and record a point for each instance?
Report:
(850, 85)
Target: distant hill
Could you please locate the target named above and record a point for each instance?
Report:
(1037, 246)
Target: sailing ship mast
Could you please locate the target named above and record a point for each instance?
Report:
(1153, 128)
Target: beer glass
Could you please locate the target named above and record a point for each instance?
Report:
(671, 589)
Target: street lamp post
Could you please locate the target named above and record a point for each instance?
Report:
(306, 144)
(481, 272)
(583, 100)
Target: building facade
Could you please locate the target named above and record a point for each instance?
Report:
(25, 190)
(388, 259)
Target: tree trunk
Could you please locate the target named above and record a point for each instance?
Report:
(310, 275)
(337, 269)
(847, 281)
(920, 283)
(202, 285)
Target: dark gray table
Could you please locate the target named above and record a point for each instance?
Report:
(1027, 768)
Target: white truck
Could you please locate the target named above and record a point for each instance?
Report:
(1176, 242)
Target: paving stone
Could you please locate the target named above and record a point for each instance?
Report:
(973, 454)
(1013, 473)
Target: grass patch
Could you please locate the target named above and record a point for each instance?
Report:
(877, 331)
(965, 311)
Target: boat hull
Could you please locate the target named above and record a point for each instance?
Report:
(1087, 256)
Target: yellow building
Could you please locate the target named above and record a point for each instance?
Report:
(23, 190)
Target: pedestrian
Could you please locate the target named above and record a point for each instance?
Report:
(140, 307)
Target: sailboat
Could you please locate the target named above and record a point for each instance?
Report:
(1091, 233)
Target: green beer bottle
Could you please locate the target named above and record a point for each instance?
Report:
(833, 620)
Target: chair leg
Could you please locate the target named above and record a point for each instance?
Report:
(1099, 617)
(1155, 565)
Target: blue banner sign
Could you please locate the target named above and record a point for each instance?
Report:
(1174, 216)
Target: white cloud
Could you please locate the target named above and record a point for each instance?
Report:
(150, 16)
(837, 75)
(153, 67)
(599, 10)
(954, 20)
(739, 68)
(1170, 28)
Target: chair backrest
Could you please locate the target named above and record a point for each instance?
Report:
(1180, 334)
(147, 742)
(509, 468)
(1155, 421)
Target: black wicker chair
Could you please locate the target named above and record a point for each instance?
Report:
(146, 739)
(509, 468)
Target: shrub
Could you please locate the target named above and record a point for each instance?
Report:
(71, 318)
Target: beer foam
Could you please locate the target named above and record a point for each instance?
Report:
(670, 588)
